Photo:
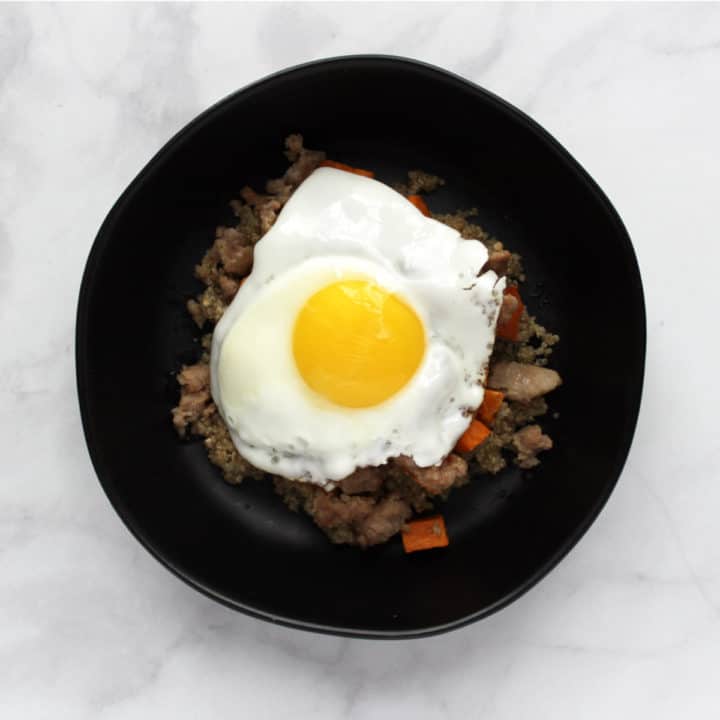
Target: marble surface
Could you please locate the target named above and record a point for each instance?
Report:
(92, 627)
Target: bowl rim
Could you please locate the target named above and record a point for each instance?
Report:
(82, 342)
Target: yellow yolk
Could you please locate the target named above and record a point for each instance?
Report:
(357, 344)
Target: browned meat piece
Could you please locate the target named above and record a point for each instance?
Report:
(196, 312)
(367, 479)
(250, 196)
(268, 212)
(294, 145)
(509, 305)
(279, 188)
(235, 255)
(212, 303)
(194, 382)
(230, 234)
(207, 269)
(498, 262)
(304, 161)
(190, 408)
(229, 286)
(331, 511)
(522, 382)
(436, 478)
(386, 519)
(266, 207)
(419, 181)
(193, 378)
(359, 520)
(529, 442)
(303, 166)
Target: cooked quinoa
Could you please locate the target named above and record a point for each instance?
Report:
(372, 504)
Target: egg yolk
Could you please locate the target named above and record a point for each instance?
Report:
(357, 344)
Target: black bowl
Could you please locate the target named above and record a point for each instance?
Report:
(240, 545)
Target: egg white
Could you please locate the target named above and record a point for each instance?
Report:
(341, 226)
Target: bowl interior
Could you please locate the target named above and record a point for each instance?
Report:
(240, 544)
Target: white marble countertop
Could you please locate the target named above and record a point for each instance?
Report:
(92, 627)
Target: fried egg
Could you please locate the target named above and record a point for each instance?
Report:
(362, 333)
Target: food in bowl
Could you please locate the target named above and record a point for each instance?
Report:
(367, 356)
(370, 334)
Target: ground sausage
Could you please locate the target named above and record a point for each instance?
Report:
(229, 286)
(294, 146)
(529, 442)
(303, 166)
(522, 382)
(235, 254)
(367, 479)
(250, 196)
(267, 207)
(386, 519)
(331, 510)
(267, 212)
(193, 378)
(304, 161)
(361, 520)
(196, 312)
(419, 181)
(194, 383)
(191, 407)
(436, 478)
(497, 262)
(279, 188)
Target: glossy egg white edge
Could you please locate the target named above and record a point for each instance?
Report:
(340, 226)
